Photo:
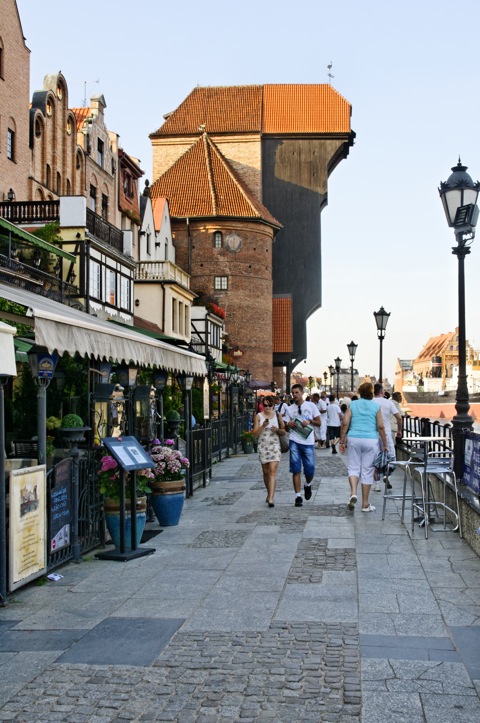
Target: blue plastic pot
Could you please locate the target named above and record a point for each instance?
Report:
(112, 520)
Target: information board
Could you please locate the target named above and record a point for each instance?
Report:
(128, 452)
(60, 509)
(471, 469)
(28, 523)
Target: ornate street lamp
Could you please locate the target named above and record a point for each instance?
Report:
(160, 378)
(331, 369)
(338, 367)
(310, 383)
(381, 319)
(352, 348)
(459, 197)
(185, 382)
(325, 377)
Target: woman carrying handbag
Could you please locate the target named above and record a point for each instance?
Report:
(268, 427)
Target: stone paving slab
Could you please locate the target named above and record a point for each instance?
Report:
(291, 614)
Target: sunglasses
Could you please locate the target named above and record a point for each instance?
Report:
(266, 404)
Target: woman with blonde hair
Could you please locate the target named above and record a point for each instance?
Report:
(267, 425)
(361, 427)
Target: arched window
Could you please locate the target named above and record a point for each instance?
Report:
(59, 184)
(1, 59)
(48, 176)
(38, 128)
(217, 240)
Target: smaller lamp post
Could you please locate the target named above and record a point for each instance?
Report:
(338, 368)
(352, 348)
(325, 377)
(127, 377)
(42, 366)
(185, 382)
(331, 369)
(160, 382)
(459, 196)
(381, 319)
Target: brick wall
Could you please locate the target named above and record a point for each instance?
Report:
(14, 103)
(248, 300)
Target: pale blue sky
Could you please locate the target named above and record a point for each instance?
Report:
(410, 71)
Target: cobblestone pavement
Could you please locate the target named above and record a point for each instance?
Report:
(249, 613)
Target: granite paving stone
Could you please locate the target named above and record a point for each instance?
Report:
(282, 615)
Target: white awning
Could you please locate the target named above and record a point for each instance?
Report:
(7, 350)
(63, 329)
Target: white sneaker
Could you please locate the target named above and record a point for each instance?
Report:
(376, 488)
(370, 508)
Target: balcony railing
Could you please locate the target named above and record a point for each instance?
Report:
(161, 271)
(104, 231)
(32, 279)
(30, 211)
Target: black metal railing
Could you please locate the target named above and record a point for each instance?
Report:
(424, 427)
(32, 279)
(30, 211)
(104, 231)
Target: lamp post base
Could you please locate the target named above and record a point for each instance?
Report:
(461, 423)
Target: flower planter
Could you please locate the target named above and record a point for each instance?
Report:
(168, 497)
(112, 520)
(247, 447)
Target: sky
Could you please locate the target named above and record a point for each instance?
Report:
(409, 70)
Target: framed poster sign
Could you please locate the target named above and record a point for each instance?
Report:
(471, 469)
(60, 509)
(28, 525)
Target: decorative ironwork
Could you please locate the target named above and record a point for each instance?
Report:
(104, 231)
(32, 279)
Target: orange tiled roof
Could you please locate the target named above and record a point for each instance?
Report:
(435, 346)
(276, 109)
(202, 183)
(282, 324)
(158, 212)
(297, 108)
(81, 115)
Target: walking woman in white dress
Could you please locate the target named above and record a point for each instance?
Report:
(267, 426)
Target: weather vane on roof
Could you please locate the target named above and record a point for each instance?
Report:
(330, 76)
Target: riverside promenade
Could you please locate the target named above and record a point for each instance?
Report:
(246, 613)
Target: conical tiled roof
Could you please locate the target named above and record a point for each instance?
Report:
(264, 109)
(203, 184)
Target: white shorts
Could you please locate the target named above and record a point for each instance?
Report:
(361, 455)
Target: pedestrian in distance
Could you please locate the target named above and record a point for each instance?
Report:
(334, 421)
(302, 417)
(361, 428)
(267, 426)
(389, 410)
(320, 432)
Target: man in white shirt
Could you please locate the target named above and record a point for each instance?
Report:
(320, 432)
(388, 410)
(334, 422)
(301, 418)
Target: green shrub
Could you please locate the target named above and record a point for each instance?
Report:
(71, 420)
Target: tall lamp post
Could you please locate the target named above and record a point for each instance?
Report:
(338, 367)
(185, 382)
(325, 377)
(381, 319)
(352, 348)
(331, 369)
(459, 197)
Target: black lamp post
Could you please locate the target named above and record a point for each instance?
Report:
(185, 382)
(459, 197)
(352, 348)
(381, 319)
(325, 377)
(310, 383)
(338, 367)
(160, 378)
(331, 369)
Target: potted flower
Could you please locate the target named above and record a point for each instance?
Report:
(110, 480)
(72, 428)
(248, 441)
(168, 482)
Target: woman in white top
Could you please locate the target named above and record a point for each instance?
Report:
(267, 426)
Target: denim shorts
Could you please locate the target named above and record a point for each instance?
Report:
(302, 453)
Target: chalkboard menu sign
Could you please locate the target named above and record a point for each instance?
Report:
(60, 507)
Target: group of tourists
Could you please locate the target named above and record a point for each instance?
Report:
(362, 425)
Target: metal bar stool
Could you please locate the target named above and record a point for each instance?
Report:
(441, 464)
(416, 455)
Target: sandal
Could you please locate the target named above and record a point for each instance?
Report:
(370, 508)
(352, 502)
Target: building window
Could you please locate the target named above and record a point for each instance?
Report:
(94, 288)
(59, 184)
(100, 152)
(124, 292)
(128, 185)
(220, 283)
(105, 207)
(69, 127)
(174, 315)
(217, 240)
(11, 144)
(166, 249)
(92, 200)
(148, 241)
(48, 176)
(38, 128)
(1, 60)
(49, 108)
(110, 286)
